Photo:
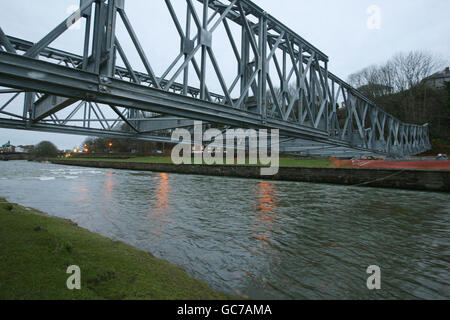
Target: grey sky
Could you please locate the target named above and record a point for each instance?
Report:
(338, 28)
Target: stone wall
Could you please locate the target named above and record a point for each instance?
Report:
(382, 178)
(14, 156)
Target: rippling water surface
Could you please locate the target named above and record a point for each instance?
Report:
(264, 240)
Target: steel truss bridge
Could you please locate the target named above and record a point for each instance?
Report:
(274, 79)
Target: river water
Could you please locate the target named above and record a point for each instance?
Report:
(260, 239)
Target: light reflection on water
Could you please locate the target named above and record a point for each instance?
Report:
(160, 210)
(265, 240)
(266, 215)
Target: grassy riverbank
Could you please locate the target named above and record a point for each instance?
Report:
(36, 249)
(284, 162)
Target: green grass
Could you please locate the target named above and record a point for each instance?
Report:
(33, 263)
(284, 162)
(313, 163)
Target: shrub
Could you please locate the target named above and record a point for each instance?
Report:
(45, 149)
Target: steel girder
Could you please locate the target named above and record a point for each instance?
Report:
(281, 82)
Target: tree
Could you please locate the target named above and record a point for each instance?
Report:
(374, 81)
(402, 72)
(397, 87)
(447, 86)
(97, 145)
(104, 145)
(45, 149)
(414, 66)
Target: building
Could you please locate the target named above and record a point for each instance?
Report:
(25, 149)
(438, 80)
(8, 148)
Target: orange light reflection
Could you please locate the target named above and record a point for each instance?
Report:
(160, 212)
(266, 215)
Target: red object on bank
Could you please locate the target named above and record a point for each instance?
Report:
(386, 164)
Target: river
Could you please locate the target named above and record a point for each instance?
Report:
(257, 239)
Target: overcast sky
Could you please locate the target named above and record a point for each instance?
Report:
(347, 31)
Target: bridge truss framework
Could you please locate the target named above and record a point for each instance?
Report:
(281, 81)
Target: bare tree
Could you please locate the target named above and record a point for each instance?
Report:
(365, 76)
(400, 73)
(414, 66)
(373, 81)
(388, 74)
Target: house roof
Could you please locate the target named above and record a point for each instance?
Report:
(440, 75)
